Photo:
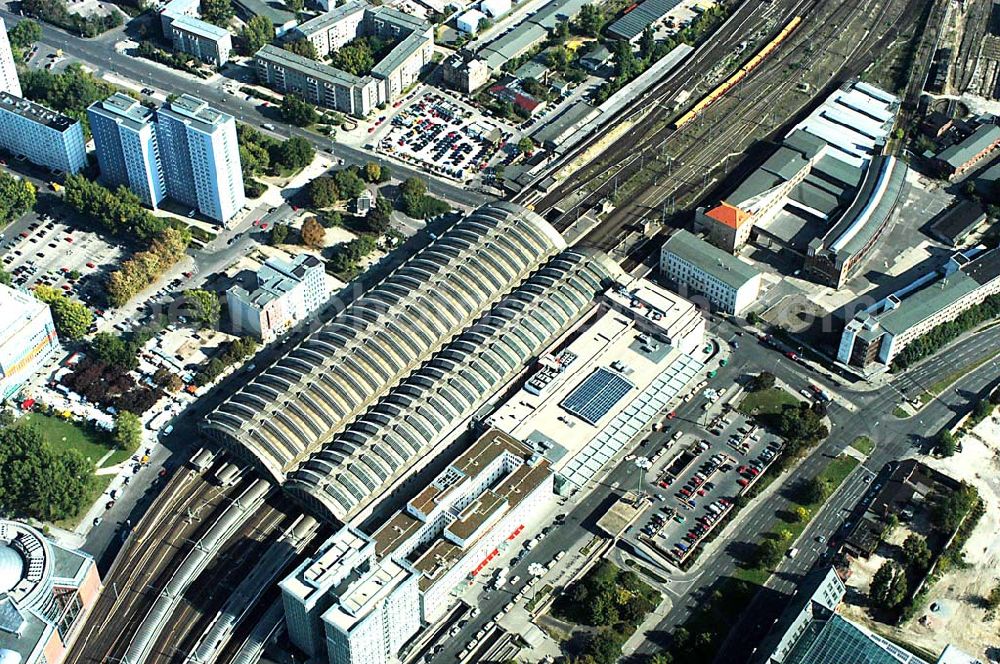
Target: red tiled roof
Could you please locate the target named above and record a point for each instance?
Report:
(730, 215)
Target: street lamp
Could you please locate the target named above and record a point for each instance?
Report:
(642, 463)
(536, 570)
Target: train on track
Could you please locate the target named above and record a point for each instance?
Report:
(742, 73)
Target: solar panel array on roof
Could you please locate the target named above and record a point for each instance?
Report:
(595, 397)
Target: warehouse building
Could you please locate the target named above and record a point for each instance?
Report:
(826, 193)
(957, 224)
(381, 337)
(876, 335)
(531, 32)
(329, 87)
(963, 156)
(694, 267)
(631, 26)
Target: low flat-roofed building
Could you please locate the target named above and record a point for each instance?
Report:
(631, 26)
(964, 155)
(875, 336)
(954, 225)
(283, 293)
(207, 42)
(27, 338)
(604, 380)
(40, 135)
(696, 268)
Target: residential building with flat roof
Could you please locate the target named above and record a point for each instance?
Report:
(127, 151)
(964, 155)
(875, 336)
(696, 268)
(464, 72)
(46, 592)
(207, 42)
(9, 82)
(201, 158)
(283, 293)
(27, 338)
(41, 136)
(327, 86)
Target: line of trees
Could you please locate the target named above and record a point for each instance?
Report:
(930, 343)
(57, 13)
(144, 267)
(70, 91)
(237, 351)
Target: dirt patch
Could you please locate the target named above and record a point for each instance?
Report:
(954, 611)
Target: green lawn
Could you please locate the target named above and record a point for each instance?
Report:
(900, 413)
(767, 402)
(863, 444)
(64, 435)
(834, 475)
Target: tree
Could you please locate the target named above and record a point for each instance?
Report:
(254, 159)
(888, 587)
(561, 32)
(217, 12)
(379, 219)
(296, 153)
(5, 277)
(323, 192)
(17, 196)
(948, 508)
(526, 145)
(993, 599)
(591, 19)
(296, 5)
(946, 443)
(373, 172)
(814, 491)
(127, 433)
(753, 318)
(297, 111)
(203, 306)
(647, 43)
(258, 31)
(355, 57)
(313, 233)
(302, 47)
(558, 58)
(801, 514)
(279, 234)
(349, 182)
(413, 188)
(114, 351)
(768, 553)
(916, 552)
(765, 380)
(72, 319)
(24, 34)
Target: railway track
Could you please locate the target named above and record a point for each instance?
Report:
(684, 172)
(182, 513)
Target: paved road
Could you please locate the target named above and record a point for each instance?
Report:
(100, 53)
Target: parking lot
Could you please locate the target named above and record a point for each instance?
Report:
(703, 474)
(49, 252)
(444, 137)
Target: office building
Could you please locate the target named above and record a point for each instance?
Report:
(9, 83)
(207, 42)
(694, 267)
(876, 335)
(810, 631)
(347, 606)
(200, 157)
(283, 293)
(41, 136)
(125, 143)
(27, 338)
(329, 87)
(361, 598)
(46, 592)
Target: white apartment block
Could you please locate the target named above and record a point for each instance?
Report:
(695, 267)
(283, 294)
(345, 604)
(8, 71)
(207, 42)
(201, 157)
(40, 135)
(411, 569)
(27, 338)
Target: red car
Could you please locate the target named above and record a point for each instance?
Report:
(743, 481)
(263, 227)
(91, 265)
(672, 414)
(701, 492)
(23, 234)
(69, 239)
